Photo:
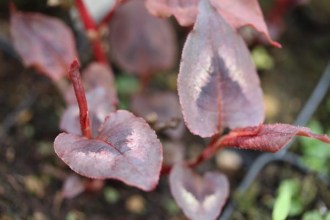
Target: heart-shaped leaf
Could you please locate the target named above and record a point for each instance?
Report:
(43, 42)
(141, 43)
(199, 198)
(218, 84)
(126, 148)
(267, 137)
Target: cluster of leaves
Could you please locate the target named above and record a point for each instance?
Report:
(218, 88)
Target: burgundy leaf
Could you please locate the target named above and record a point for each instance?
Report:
(240, 13)
(267, 137)
(100, 75)
(43, 42)
(162, 109)
(199, 198)
(141, 43)
(126, 148)
(218, 84)
(185, 11)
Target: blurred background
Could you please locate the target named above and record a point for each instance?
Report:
(34, 182)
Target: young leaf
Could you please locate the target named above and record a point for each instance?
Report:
(141, 43)
(214, 71)
(199, 198)
(43, 42)
(267, 137)
(126, 148)
(240, 13)
(185, 11)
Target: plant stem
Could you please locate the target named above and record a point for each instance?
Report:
(81, 98)
(207, 153)
(92, 32)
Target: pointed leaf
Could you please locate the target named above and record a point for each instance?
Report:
(43, 42)
(185, 11)
(267, 137)
(218, 84)
(100, 8)
(126, 149)
(141, 43)
(240, 13)
(199, 198)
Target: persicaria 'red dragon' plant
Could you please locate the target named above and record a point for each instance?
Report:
(218, 88)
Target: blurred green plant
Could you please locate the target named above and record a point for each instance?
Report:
(316, 155)
(293, 197)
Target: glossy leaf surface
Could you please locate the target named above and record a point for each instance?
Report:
(218, 84)
(199, 198)
(43, 42)
(268, 137)
(126, 148)
(141, 43)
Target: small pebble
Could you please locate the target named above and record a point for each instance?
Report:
(135, 204)
(229, 160)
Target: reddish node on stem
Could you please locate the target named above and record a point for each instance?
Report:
(74, 75)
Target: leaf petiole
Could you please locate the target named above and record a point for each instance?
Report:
(81, 98)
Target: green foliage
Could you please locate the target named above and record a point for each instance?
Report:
(315, 154)
(126, 85)
(284, 200)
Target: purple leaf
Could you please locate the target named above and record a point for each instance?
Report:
(141, 43)
(267, 137)
(240, 13)
(218, 84)
(126, 148)
(185, 11)
(43, 42)
(199, 198)
(72, 187)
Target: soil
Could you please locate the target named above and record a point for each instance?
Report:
(31, 175)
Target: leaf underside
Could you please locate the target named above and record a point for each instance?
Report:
(199, 198)
(214, 71)
(126, 148)
(269, 138)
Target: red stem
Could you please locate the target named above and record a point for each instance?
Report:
(207, 153)
(81, 98)
(92, 32)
